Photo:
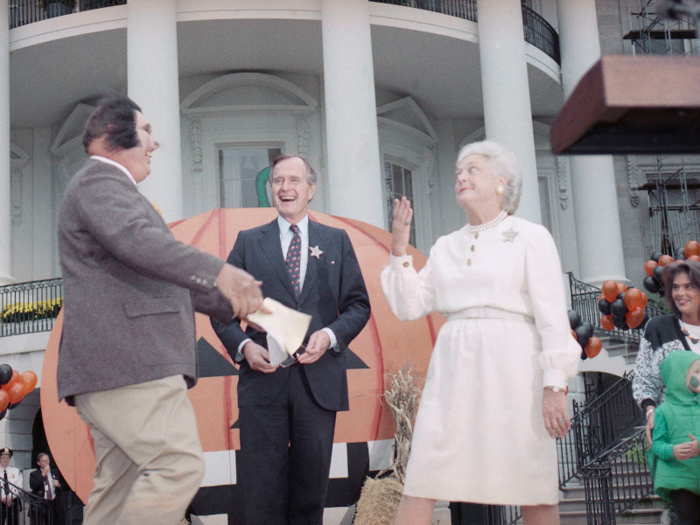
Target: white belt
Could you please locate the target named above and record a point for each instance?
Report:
(485, 312)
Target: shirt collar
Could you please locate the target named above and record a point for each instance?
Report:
(284, 224)
(117, 165)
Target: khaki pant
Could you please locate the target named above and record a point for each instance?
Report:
(149, 461)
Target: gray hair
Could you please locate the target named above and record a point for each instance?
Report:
(311, 177)
(503, 164)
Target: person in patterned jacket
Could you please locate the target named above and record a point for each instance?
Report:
(668, 333)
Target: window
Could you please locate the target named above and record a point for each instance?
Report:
(243, 172)
(398, 182)
(545, 206)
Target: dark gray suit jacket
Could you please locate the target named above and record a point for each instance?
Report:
(129, 288)
(334, 293)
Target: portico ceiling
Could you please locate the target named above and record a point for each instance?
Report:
(439, 72)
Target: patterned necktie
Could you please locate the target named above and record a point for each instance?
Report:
(293, 261)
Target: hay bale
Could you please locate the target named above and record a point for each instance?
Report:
(379, 502)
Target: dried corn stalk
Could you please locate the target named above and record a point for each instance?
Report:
(402, 397)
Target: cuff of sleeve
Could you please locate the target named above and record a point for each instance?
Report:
(332, 337)
(400, 263)
(555, 378)
(239, 355)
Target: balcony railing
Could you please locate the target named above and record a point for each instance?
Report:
(32, 509)
(538, 31)
(32, 307)
(22, 12)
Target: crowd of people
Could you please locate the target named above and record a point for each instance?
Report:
(501, 362)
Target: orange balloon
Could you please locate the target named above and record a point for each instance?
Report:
(15, 379)
(665, 260)
(649, 267)
(4, 400)
(694, 258)
(610, 290)
(635, 317)
(29, 380)
(593, 347)
(645, 300)
(574, 334)
(607, 322)
(621, 288)
(633, 298)
(691, 248)
(16, 392)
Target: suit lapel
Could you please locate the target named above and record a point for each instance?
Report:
(270, 244)
(316, 238)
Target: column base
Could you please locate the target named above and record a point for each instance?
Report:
(599, 280)
(6, 279)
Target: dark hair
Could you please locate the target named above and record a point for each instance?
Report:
(691, 268)
(114, 119)
(41, 454)
(310, 173)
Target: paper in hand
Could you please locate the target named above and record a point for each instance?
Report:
(285, 327)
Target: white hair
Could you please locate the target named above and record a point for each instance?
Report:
(503, 164)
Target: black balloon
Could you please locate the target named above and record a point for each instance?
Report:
(3, 414)
(574, 319)
(679, 254)
(13, 405)
(656, 256)
(620, 323)
(5, 374)
(618, 309)
(657, 273)
(582, 335)
(589, 328)
(583, 355)
(650, 285)
(621, 296)
(604, 306)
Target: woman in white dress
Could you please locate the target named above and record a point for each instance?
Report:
(494, 397)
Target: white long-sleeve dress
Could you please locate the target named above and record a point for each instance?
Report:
(479, 434)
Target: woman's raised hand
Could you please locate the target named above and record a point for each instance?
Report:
(401, 226)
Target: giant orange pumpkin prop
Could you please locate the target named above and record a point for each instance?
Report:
(382, 347)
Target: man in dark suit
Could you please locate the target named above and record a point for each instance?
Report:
(46, 483)
(128, 352)
(287, 414)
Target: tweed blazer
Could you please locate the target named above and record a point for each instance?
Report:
(130, 288)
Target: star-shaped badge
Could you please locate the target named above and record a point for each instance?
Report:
(315, 251)
(509, 235)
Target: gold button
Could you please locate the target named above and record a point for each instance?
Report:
(476, 235)
(469, 262)
(405, 265)
(473, 247)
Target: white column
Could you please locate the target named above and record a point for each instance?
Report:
(154, 85)
(352, 138)
(506, 92)
(598, 235)
(5, 204)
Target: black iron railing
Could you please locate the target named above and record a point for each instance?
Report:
(617, 481)
(502, 515)
(584, 299)
(26, 508)
(597, 427)
(27, 308)
(538, 31)
(22, 12)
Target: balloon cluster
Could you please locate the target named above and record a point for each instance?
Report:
(14, 387)
(621, 307)
(583, 333)
(654, 267)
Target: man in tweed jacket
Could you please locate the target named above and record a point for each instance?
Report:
(128, 350)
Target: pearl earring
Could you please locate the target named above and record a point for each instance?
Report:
(500, 189)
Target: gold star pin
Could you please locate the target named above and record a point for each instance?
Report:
(315, 251)
(509, 235)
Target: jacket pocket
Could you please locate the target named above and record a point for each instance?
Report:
(162, 305)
